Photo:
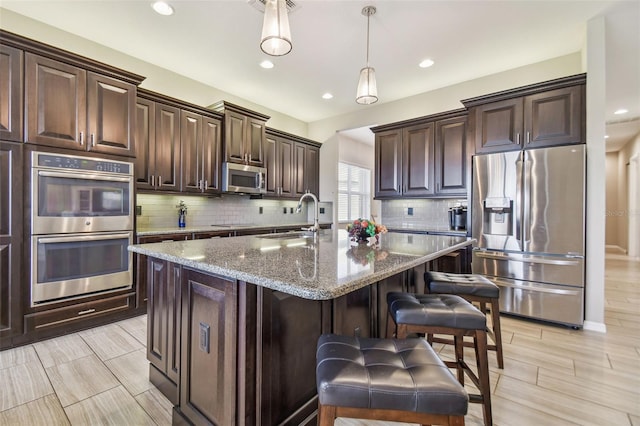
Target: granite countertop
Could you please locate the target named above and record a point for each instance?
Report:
(413, 227)
(145, 231)
(325, 269)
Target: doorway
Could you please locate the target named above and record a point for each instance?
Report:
(633, 212)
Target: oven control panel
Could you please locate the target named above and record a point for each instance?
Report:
(83, 163)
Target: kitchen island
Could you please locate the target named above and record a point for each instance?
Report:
(233, 322)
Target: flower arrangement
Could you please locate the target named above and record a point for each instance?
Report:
(363, 255)
(361, 229)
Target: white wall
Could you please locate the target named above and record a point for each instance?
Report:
(615, 215)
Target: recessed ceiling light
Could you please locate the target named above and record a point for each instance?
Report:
(162, 8)
(606, 136)
(621, 111)
(266, 64)
(426, 63)
(327, 96)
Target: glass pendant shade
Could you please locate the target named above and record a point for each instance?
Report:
(367, 89)
(276, 35)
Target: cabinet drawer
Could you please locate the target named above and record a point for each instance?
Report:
(74, 314)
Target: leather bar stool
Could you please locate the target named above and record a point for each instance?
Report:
(474, 288)
(448, 314)
(386, 379)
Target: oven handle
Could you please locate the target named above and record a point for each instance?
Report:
(92, 237)
(84, 176)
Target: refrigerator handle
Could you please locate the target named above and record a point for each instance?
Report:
(517, 209)
(526, 211)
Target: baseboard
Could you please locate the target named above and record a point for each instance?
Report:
(595, 326)
(612, 248)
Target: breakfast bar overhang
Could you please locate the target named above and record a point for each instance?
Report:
(233, 322)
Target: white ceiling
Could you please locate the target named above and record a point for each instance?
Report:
(216, 42)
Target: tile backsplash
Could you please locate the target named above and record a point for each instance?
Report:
(430, 213)
(159, 211)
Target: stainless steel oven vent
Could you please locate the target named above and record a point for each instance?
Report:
(259, 4)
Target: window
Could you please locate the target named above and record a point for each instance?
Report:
(354, 192)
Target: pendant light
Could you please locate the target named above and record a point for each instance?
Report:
(276, 35)
(367, 88)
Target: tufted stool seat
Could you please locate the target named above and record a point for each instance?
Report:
(451, 315)
(474, 288)
(386, 379)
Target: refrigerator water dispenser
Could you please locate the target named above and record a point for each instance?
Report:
(498, 216)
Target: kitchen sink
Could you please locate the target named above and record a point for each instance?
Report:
(287, 235)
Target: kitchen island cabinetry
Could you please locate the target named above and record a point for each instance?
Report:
(539, 115)
(244, 134)
(11, 89)
(11, 241)
(253, 308)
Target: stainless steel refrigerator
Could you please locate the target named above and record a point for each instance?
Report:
(528, 216)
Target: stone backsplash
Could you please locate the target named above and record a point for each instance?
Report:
(418, 212)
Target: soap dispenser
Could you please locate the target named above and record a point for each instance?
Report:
(182, 213)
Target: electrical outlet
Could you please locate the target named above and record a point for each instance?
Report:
(284, 210)
(138, 210)
(321, 210)
(260, 209)
(410, 211)
(291, 210)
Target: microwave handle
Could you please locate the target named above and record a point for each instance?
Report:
(83, 176)
(260, 180)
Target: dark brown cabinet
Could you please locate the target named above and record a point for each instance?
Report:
(544, 114)
(157, 165)
(11, 89)
(424, 157)
(70, 107)
(208, 352)
(452, 157)
(307, 164)
(200, 141)
(404, 162)
(11, 241)
(244, 134)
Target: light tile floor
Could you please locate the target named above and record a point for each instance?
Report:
(552, 376)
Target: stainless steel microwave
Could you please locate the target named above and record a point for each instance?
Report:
(244, 179)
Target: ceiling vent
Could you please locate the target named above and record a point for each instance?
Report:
(259, 4)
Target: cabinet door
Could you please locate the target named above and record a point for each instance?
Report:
(499, 126)
(211, 160)
(388, 167)
(145, 135)
(208, 366)
(271, 163)
(10, 241)
(298, 176)
(172, 311)
(255, 141)
(312, 170)
(167, 148)
(234, 137)
(451, 157)
(418, 152)
(11, 88)
(110, 112)
(192, 153)
(286, 168)
(157, 276)
(56, 110)
(554, 117)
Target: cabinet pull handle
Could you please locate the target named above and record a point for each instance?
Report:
(153, 180)
(528, 137)
(86, 311)
(93, 140)
(200, 184)
(81, 138)
(206, 185)
(159, 181)
(518, 138)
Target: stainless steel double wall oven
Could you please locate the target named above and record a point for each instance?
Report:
(81, 225)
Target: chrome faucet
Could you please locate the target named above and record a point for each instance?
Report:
(316, 227)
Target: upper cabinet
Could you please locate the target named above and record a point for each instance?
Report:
(544, 114)
(293, 165)
(70, 107)
(200, 140)
(244, 134)
(11, 88)
(424, 157)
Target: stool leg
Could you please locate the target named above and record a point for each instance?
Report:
(497, 333)
(480, 340)
(326, 415)
(458, 342)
